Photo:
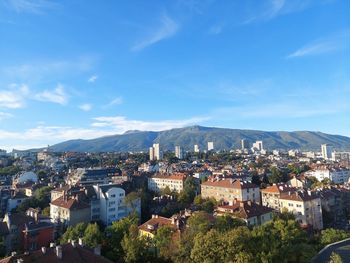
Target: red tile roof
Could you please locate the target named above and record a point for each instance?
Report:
(244, 210)
(278, 188)
(154, 223)
(229, 183)
(70, 203)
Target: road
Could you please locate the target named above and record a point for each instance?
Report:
(342, 248)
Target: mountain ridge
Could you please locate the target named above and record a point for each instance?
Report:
(187, 137)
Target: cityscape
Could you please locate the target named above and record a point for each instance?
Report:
(176, 131)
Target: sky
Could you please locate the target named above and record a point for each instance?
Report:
(85, 69)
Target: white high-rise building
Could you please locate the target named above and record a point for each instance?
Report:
(196, 148)
(154, 152)
(244, 144)
(258, 145)
(178, 152)
(210, 146)
(326, 151)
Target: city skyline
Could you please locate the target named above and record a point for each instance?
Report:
(71, 70)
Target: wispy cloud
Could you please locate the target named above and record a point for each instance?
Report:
(14, 96)
(321, 46)
(85, 107)
(5, 115)
(58, 95)
(30, 6)
(167, 29)
(93, 78)
(122, 124)
(115, 101)
(274, 8)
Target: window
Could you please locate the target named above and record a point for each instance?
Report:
(113, 196)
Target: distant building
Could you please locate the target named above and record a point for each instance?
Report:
(84, 176)
(326, 150)
(196, 148)
(230, 189)
(155, 153)
(244, 144)
(336, 175)
(160, 181)
(178, 152)
(270, 196)
(210, 146)
(341, 156)
(258, 146)
(250, 212)
(149, 228)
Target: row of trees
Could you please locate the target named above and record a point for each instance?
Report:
(206, 239)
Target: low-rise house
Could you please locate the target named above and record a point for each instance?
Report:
(305, 205)
(69, 210)
(229, 189)
(253, 214)
(175, 182)
(149, 228)
(15, 200)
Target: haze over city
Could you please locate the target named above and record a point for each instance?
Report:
(72, 70)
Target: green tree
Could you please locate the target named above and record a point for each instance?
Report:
(115, 234)
(227, 222)
(331, 235)
(92, 235)
(73, 233)
(136, 249)
(335, 258)
(163, 241)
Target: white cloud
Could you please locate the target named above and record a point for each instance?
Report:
(5, 115)
(122, 124)
(93, 78)
(333, 43)
(14, 97)
(85, 107)
(58, 95)
(167, 29)
(30, 6)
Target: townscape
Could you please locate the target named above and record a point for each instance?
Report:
(244, 205)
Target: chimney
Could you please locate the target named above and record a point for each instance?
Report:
(97, 250)
(59, 252)
(13, 253)
(80, 241)
(43, 250)
(249, 202)
(20, 260)
(52, 244)
(74, 243)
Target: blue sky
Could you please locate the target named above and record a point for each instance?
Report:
(84, 69)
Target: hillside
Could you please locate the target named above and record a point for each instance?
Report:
(186, 137)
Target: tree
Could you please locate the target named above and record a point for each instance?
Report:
(331, 235)
(163, 241)
(335, 258)
(227, 222)
(189, 192)
(92, 236)
(115, 234)
(135, 248)
(73, 233)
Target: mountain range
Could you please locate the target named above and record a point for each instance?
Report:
(223, 138)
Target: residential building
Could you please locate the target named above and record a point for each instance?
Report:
(91, 176)
(337, 175)
(196, 148)
(230, 189)
(155, 153)
(248, 211)
(178, 152)
(109, 204)
(244, 144)
(15, 200)
(326, 150)
(69, 211)
(149, 228)
(160, 181)
(270, 196)
(210, 146)
(258, 146)
(306, 206)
